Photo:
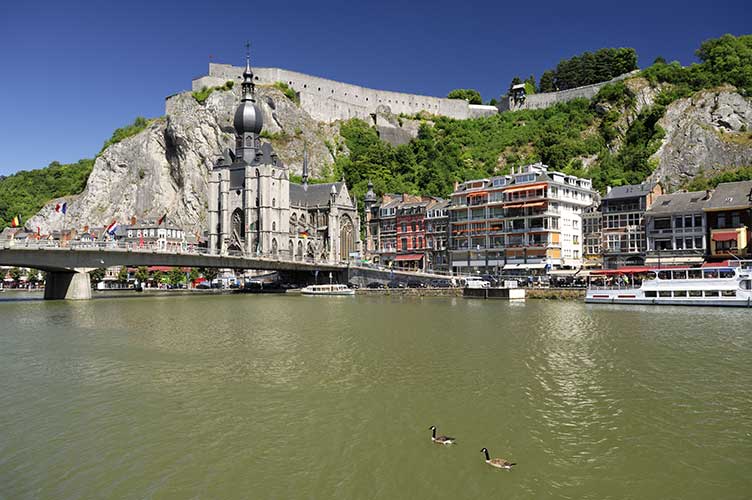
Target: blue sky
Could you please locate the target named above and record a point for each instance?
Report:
(73, 72)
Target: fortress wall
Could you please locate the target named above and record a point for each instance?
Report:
(328, 100)
(479, 110)
(547, 99)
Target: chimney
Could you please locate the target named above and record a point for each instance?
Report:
(608, 189)
(456, 185)
(708, 194)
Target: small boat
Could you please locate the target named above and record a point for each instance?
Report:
(327, 290)
(729, 285)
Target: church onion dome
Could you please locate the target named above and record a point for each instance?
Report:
(370, 195)
(248, 118)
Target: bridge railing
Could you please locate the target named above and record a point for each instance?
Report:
(164, 248)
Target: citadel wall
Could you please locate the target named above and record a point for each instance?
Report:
(547, 99)
(328, 100)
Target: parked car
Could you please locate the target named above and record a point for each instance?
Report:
(476, 282)
(415, 284)
(441, 283)
(376, 285)
(491, 279)
(396, 284)
(352, 285)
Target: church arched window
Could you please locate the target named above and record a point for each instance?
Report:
(238, 223)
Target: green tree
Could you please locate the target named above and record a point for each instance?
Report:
(14, 273)
(515, 81)
(470, 95)
(142, 274)
(97, 275)
(530, 87)
(176, 276)
(547, 82)
(210, 273)
(123, 274)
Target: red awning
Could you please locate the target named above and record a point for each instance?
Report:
(724, 236)
(412, 256)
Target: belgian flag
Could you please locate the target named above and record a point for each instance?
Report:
(15, 221)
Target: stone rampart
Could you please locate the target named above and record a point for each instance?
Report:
(328, 100)
(547, 99)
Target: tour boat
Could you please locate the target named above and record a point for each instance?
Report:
(729, 285)
(327, 290)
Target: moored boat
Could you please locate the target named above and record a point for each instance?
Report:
(327, 290)
(729, 285)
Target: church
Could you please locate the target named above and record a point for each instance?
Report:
(254, 208)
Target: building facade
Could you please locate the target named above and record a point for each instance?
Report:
(729, 219)
(623, 211)
(675, 229)
(255, 209)
(437, 224)
(529, 220)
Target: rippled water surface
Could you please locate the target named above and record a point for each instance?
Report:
(295, 397)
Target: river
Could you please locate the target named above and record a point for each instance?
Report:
(286, 397)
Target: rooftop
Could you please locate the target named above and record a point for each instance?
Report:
(630, 191)
(684, 202)
(730, 195)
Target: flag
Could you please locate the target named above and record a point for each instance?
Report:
(57, 207)
(64, 208)
(161, 220)
(304, 234)
(15, 221)
(112, 228)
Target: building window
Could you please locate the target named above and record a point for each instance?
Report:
(403, 243)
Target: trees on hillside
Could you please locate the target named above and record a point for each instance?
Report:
(589, 68)
(470, 95)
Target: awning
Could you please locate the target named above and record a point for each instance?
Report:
(525, 188)
(661, 261)
(724, 236)
(412, 256)
(524, 266)
(477, 193)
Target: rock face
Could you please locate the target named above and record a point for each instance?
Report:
(164, 168)
(710, 131)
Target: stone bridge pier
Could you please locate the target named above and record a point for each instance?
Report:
(71, 285)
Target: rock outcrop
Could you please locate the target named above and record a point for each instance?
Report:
(710, 131)
(164, 168)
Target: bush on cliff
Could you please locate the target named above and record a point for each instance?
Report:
(25, 193)
(122, 133)
(472, 96)
(288, 91)
(202, 95)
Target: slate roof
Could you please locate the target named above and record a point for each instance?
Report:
(731, 195)
(682, 202)
(630, 191)
(316, 194)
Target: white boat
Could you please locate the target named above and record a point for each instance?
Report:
(327, 290)
(729, 285)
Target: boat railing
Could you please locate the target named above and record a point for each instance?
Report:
(613, 287)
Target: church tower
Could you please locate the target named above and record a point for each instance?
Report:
(249, 197)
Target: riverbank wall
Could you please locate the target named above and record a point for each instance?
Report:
(556, 293)
(411, 292)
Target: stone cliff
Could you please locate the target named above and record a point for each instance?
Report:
(164, 168)
(709, 132)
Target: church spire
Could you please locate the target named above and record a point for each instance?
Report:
(248, 85)
(305, 167)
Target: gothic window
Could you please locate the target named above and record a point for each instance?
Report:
(274, 226)
(290, 249)
(238, 223)
(275, 248)
(249, 141)
(346, 238)
(300, 249)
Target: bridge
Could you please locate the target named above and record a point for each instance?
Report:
(67, 268)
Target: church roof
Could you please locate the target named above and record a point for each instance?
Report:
(315, 194)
